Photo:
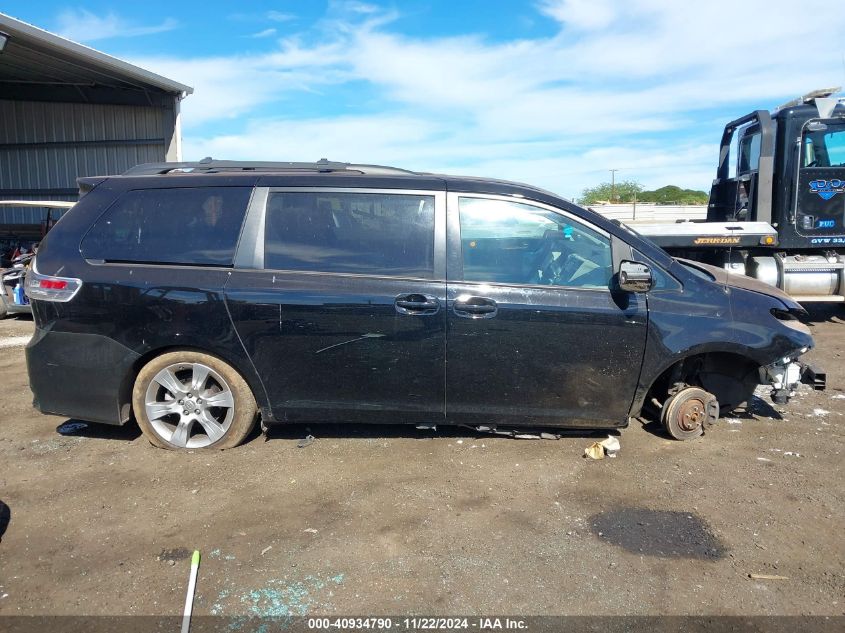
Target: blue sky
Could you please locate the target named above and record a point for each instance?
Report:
(550, 92)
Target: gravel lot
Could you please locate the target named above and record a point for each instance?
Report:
(390, 520)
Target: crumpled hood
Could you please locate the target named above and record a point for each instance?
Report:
(736, 280)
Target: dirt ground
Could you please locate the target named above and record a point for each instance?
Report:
(391, 520)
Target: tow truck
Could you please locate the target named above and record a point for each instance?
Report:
(777, 208)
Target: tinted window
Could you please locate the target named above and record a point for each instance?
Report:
(170, 226)
(365, 233)
(517, 243)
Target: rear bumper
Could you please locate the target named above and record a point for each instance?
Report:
(81, 376)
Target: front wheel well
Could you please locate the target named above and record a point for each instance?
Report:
(730, 377)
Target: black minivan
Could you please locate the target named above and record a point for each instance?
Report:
(200, 297)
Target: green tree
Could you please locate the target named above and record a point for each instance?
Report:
(670, 194)
(628, 191)
(623, 191)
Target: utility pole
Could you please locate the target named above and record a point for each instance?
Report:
(613, 185)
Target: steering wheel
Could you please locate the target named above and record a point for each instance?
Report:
(551, 274)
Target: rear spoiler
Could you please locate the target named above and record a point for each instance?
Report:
(87, 184)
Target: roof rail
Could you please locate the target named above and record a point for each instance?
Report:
(209, 165)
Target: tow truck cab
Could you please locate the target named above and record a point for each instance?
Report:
(777, 206)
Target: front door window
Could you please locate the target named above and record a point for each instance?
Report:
(518, 243)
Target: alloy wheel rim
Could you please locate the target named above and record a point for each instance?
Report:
(189, 405)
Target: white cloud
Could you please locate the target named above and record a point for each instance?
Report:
(354, 6)
(612, 88)
(579, 14)
(264, 33)
(82, 25)
(278, 16)
(232, 87)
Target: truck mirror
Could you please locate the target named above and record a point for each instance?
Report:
(634, 276)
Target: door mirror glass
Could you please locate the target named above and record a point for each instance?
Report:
(635, 276)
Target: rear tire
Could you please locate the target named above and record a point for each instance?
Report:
(188, 400)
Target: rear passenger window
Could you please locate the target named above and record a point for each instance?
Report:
(365, 233)
(170, 226)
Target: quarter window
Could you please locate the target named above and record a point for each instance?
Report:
(364, 233)
(518, 243)
(170, 226)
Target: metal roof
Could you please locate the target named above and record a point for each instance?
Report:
(35, 57)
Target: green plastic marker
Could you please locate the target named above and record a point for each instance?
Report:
(192, 585)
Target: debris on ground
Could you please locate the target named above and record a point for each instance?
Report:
(594, 451)
(310, 530)
(266, 549)
(305, 441)
(69, 428)
(767, 577)
(608, 447)
(611, 445)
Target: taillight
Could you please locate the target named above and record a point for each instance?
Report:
(49, 288)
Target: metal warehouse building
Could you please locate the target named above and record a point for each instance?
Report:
(67, 111)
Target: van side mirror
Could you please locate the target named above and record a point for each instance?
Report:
(635, 276)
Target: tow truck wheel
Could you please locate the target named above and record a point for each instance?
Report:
(686, 413)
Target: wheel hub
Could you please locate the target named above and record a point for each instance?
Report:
(189, 405)
(691, 414)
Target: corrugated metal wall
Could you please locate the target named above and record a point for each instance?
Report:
(45, 147)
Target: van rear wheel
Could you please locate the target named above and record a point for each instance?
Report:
(190, 400)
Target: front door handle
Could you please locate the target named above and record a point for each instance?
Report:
(416, 304)
(470, 307)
